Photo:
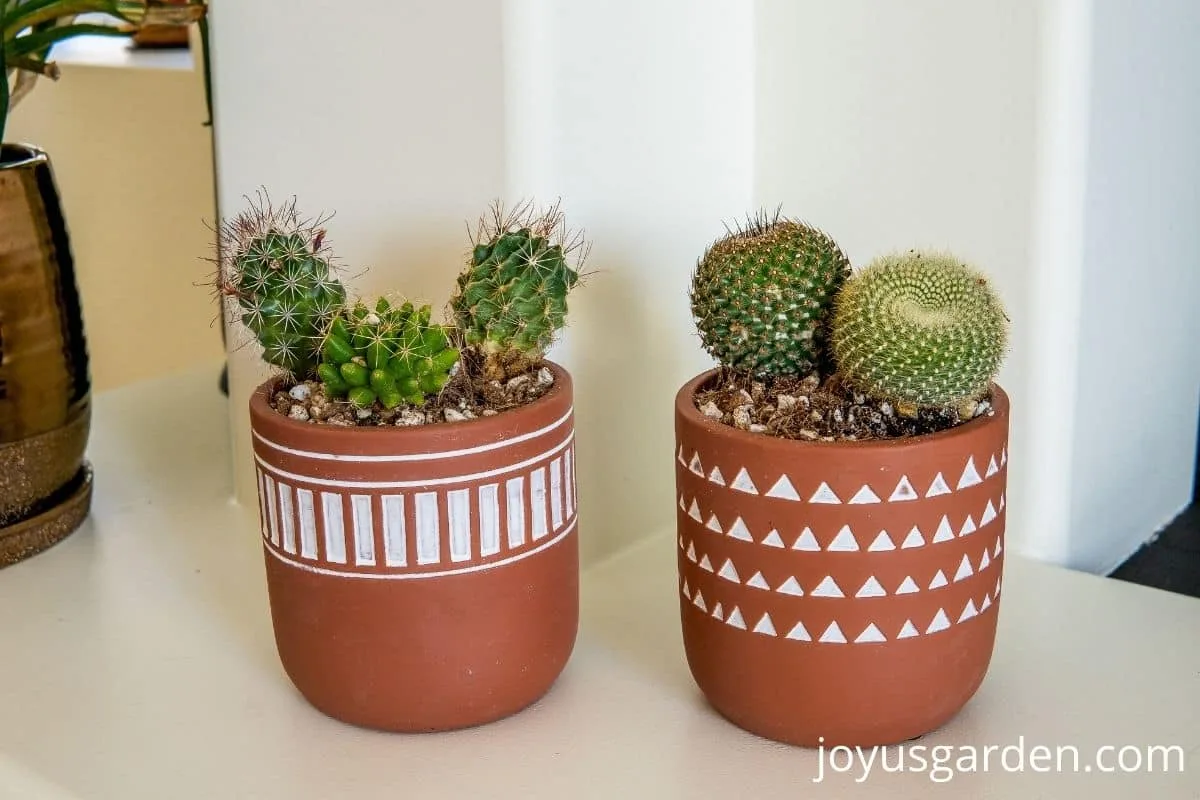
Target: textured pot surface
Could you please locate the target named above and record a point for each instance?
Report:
(422, 578)
(44, 383)
(843, 593)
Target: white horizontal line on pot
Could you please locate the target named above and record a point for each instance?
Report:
(275, 471)
(466, 451)
(417, 575)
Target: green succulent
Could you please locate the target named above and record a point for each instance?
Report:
(760, 296)
(511, 299)
(390, 353)
(919, 329)
(276, 267)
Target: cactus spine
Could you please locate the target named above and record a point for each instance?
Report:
(511, 299)
(276, 267)
(392, 354)
(919, 329)
(761, 294)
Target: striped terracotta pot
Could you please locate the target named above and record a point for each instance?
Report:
(422, 578)
(839, 593)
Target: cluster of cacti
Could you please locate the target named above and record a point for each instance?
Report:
(760, 295)
(510, 303)
(392, 354)
(511, 300)
(921, 329)
(276, 267)
(918, 330)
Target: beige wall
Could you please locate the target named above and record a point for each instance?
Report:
(134, 167)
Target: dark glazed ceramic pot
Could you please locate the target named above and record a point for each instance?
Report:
(422, 578)
(45, 390)
(839, 593)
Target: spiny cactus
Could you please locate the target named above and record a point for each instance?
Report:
(511, 300)
(760, 295)
(276, 267)
(919, 329)
(393, 354)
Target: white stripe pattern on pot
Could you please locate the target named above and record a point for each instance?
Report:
(405, 533)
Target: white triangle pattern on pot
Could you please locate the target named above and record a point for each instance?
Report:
(791, 586)
(964, 569)
(882, 543)
(799, 633)
(843, 542)
(758, 581)
(940, 622)
(694, 511)
(682, 504)
(716, 477)
(806, 541)
(783, 488)
(999, 548)
(864, 496)
(1003, 456)
(743, 483)
(985, 561)
(714, 524)
(738, 530)
(907, 586)
(773, 539)
(695, 465)
(970, 475)
(870, 634)
(765, 626)
(687, 592)
(968, 611)
(728, 571)
(968, 526)
(989, 514)
(939, 580)
(691, 552)
(680, 458)
(718, 612)
(735, 619)
(833, 634)
(904, 491)
(992, 469)
(698, 601)
(944, 532)
(705, 564)
(914, 539)
(938, 487)
(825, 495)
(908, 631)
(827, 588)
(871, 588)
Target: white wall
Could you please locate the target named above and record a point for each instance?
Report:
(972, 126)
(1139, 365)
(898, 125)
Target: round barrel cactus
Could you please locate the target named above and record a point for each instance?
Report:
(919, 329)
(760, 296)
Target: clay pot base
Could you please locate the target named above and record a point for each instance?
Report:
(839, 593)
(31, 536)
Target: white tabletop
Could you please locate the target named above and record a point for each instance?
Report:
(136, 661)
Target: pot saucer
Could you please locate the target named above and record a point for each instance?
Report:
(30, 536)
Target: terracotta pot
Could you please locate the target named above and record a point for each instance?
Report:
(422, 578)
(839, 593)
(45, 390)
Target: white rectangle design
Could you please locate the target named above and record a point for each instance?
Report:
(429, 545)
(286, 519)
(489, 519)
(272, 514)
(262, 504)
(364, 529)
(537, 502)
(335, 528)
(395, 549)
(515, 489)
(569, 480)
(308, 523)
(556, 488)
(458, 509)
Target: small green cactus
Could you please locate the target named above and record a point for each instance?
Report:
(919, 329)
(391, 353)
(275, 265)
(511, 300)
(761, 294)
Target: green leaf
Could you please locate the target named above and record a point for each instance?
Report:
(34, 42)
(37, 12)
(355, 374)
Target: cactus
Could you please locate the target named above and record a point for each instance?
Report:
(392, 354)
(511, 300)
(919, 329)
(761, 294)
(276, 267)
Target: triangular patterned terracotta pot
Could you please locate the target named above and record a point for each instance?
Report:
(839, 593)
(422, 578)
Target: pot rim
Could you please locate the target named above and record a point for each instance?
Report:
(27, 155)
(685, 408)
(480, 426)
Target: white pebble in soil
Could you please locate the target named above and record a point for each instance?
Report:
(409, 418)
(785, 401)
(298, 413)
(363, 413)
(454, 415)
(741, 417)
(300, 391)
(490, 412)
(757, 428)
(545, 377)
(711, 410)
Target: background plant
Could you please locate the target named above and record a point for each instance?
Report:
(511, 300)
(919, 329)
(29, 30)
(760, 295)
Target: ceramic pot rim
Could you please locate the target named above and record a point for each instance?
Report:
(514, 419)
(685, 408)
(27, 155)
